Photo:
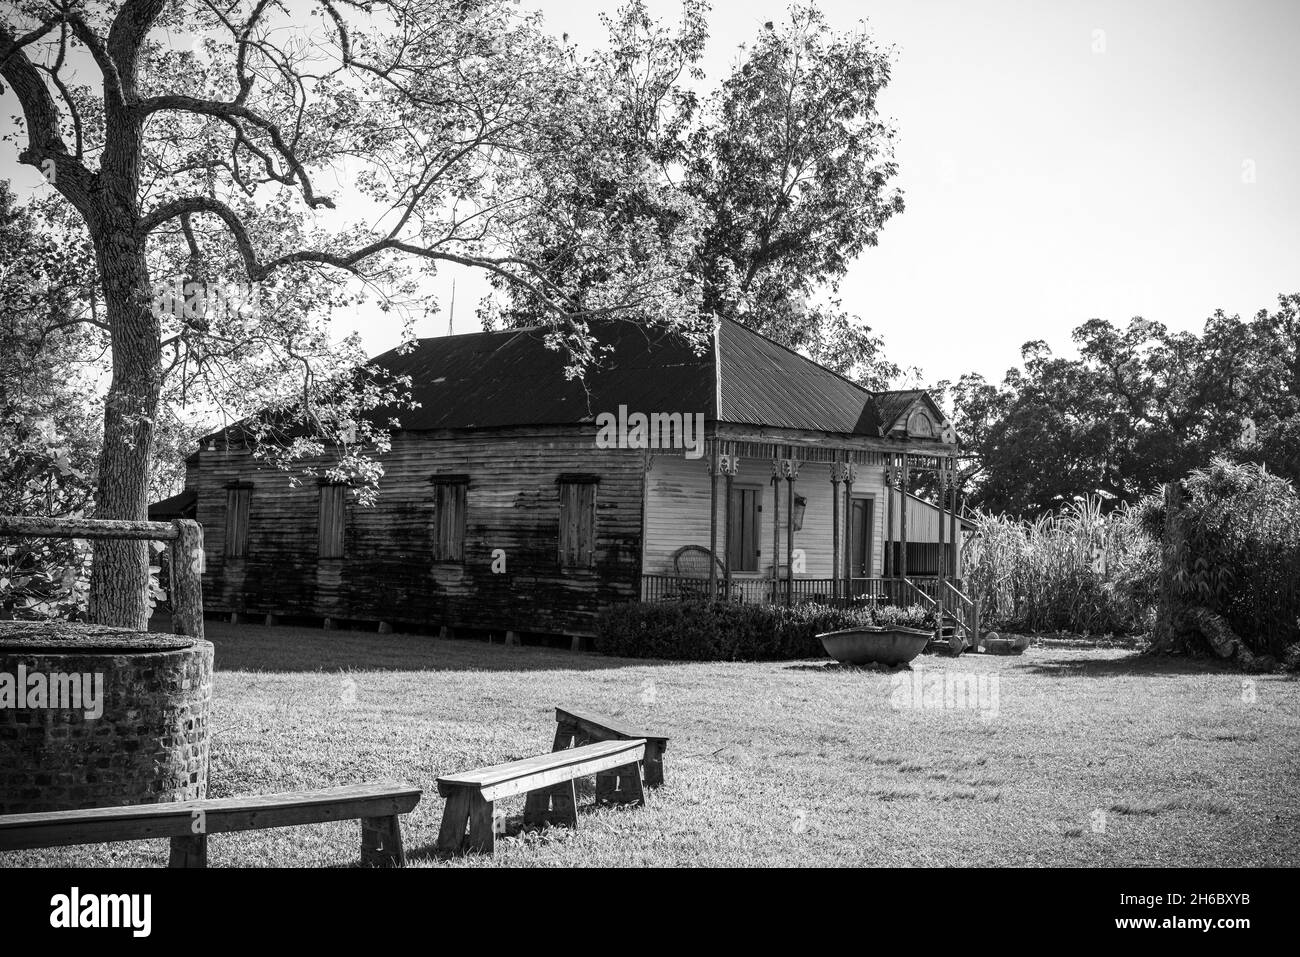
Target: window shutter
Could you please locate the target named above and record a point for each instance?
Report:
(238, 501)
(332, 520)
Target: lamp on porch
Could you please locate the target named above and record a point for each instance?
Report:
(800, 503)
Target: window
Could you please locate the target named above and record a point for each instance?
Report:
(238, 500)
(450, 493)
(742, 536)
(333, 520)
(577, 521)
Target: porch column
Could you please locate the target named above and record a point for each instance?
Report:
(837, 476)
(902, 516)
(728, 464)
(952, 525)
(941, 473)
(713, 519)
(888, 560)
(790, 471)
(850, 472)
(776, 527)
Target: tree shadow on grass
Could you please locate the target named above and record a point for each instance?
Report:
(1135, 664)
(296, 649)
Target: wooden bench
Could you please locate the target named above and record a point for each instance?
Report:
(188, 823)
(583, 727)
(548, 780)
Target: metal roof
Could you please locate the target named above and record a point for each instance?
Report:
(511, 378)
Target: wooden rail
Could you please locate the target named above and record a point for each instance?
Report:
(184, 536)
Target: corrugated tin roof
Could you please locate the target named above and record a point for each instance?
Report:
(764, 383)
(489, 379)
(511, 378)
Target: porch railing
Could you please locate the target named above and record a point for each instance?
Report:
(827, 591)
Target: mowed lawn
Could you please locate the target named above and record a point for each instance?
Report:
(1093, 757)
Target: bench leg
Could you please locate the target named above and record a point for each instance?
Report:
(482, 835)
(451, 836)
(563, 738)
(381, 842)
(654, 765)
(564, 804)
(607, 786)
(537, 808)
(189, 850)
(629, 789)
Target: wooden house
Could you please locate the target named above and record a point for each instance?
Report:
(516, 500)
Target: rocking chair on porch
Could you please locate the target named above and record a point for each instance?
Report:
(691, 563)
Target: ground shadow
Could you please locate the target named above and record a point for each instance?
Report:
(1132, 664)
(289, 649)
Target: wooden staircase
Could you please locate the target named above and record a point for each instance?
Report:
(957, 616)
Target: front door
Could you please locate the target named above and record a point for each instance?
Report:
(862, 525)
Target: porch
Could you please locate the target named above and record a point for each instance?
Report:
(821, 523)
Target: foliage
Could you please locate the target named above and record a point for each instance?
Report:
(1079, 569)
(782, 172)
(1138, 407)
(48, 429)
(1232, 548)
(722, 631)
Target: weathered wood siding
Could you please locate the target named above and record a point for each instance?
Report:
(677, 512)
(388, 572)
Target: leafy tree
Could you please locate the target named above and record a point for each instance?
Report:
(785, 168)
(49, 436)
(1138, 407)
(199, 145)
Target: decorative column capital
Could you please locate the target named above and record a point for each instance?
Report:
(785, 468)
(840, 472)
(725, 464)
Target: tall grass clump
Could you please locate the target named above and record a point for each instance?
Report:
(1080, 569)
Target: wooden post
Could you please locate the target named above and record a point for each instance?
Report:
(776, 530)
(888, 568)
(952, 525)
(713, 520)
(902, 517)
(835, 529)
(943, 559)
(849, 551)
(187, 578)
(729, 467)
(790, 473)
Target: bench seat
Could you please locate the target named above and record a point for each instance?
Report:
(575, 726)
(547, 779)
(188, 823)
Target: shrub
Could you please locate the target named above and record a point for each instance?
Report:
(718, 631)
(1080, 569)
(1231, 561)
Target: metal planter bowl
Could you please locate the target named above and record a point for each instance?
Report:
(875, 644)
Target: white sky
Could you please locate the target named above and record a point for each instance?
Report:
(1052, 173)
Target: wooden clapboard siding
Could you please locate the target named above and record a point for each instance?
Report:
(388, 571)
(677, 512)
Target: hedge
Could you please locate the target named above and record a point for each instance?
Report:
(718, 631)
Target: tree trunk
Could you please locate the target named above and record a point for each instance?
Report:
(119, 582)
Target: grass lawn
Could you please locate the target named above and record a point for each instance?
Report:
(1095, 757)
